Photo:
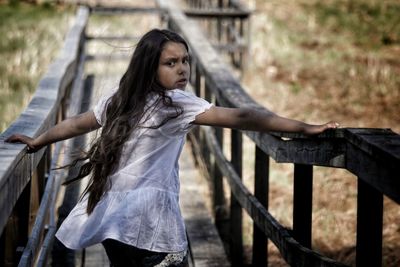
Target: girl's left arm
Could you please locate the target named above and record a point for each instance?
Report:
(257, 120)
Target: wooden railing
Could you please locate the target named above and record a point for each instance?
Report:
(28, 187)
(372, 155)
(226, 24)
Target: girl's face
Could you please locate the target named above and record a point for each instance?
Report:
(173, 67)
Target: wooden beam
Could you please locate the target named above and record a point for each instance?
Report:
(204, 242)
(112, 38)
(108, 10)
(217, 13)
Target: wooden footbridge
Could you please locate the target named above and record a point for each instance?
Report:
(32, 203)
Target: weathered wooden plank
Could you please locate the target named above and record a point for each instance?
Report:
(374, 171)
(224, 13)
(238, 4)
(204, 242)
(112, 38)
(230, 47)
(109, 10)
(107, 57)
(95, 256)
(13, 188)
(231, 4)
(32, 247)
(47, 244)
(380, 143)
(322, 151)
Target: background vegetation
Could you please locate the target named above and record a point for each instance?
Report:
(317, 61)
(328, 59)
(27, 47)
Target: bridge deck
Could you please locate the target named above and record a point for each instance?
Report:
(206, 246)
(106, 59)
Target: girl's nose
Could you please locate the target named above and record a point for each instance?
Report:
(183, 68)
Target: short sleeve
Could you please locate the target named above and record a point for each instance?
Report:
(191, 105)
(100, 107)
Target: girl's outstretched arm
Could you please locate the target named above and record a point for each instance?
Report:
(257, 120)
(71, 127)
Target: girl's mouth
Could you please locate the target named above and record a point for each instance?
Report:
(181, 81)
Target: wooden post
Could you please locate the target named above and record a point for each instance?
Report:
(231, 39)
(369, 225)
(197, 86)
(302, 204)
(236, 242)
(16, 232)
(203, 143)
(219, 23)
(218, 190)
(3, 248)
(193, 71)
(197, 89)
(261, 189)
(241, 34)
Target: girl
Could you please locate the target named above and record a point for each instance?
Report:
(131, 202)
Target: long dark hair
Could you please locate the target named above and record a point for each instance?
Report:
(125, 110)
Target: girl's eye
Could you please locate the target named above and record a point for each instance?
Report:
(171, 63)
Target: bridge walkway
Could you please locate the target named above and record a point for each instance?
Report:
(105, 58)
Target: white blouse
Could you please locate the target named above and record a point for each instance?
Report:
(142, 207)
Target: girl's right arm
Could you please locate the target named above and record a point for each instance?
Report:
(71, 127)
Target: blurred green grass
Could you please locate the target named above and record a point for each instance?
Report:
(27, 47)
(372, 23)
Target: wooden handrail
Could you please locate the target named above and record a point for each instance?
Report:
(216, 13)
(383, 145)
(17, 167)
(227, 24)
(39, 115)
(373, 155)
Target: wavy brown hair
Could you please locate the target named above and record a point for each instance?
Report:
(125, 111)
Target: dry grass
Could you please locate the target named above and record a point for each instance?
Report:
(306, 68)
(323, 60)
(27, 46)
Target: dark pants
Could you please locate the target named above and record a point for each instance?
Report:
(123, 255)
